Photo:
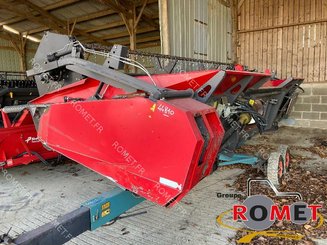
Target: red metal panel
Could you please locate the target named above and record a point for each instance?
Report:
(150, 148)
(18, 142)
(273, 83)
(195, 80)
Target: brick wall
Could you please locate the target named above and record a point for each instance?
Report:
(310, 109)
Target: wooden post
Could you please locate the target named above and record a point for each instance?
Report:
(164, 26)
(234, 12)
(131, 21)
(20, 47)
(22, 57)
(23, 52)
(132, 33)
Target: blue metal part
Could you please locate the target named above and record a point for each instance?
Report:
(236, 158)
(110, 205)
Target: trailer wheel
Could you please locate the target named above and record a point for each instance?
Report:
(275, 168)
(286, 155)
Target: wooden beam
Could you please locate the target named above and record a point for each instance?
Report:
(22, 53)
(50, 7)
(60, 4)
(147, 18)
(164, 26)
(88, 17)
(80, 19)
(106, 26)
(126, 34)
(148, 45)
(239, 6)
(149, 12)
(45, 14)
(96, 15)
(52, 21)
(19, 45)
(11, 48)
(72, 28)
(131, 26)
(105, 12)
(5, 36)
(120, 9)
(140, 13)
(141, 40)
(283, 26)
(225, 3)
(234, 12)
(23, 13)
(114, 6)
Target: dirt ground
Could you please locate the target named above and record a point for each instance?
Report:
(307, 175)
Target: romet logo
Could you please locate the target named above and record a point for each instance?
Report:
(259, 212)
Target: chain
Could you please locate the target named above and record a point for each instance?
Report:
(181, 63)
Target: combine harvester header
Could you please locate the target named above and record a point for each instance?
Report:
(156, 136)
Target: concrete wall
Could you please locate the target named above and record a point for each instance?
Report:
(310, 109)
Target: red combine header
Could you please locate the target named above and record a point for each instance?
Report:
(155, 135)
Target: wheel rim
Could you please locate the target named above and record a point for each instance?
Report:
(280, 169)
(287, 160)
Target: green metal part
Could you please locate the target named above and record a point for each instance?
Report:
(110, 205)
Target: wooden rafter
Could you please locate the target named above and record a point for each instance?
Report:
(234, 13)
(139, 15)
(164, 30)
(115, 6)
(239, 6)
(5, 36)
(50, 7)
(142, 40)
(19, 45)
(148, 44)
(43, 17)
(126, 34)
(146, 17)
(47, 19)
(106, 26)
(6, 47)
(226, 3)
(12, 8)
(83, 18)
(99, 14)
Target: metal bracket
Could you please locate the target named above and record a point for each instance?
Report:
(213, 83)
(236, 158)
(109, 206)
(242, 83)
(113, 61)
(272, 186)
(165, 68)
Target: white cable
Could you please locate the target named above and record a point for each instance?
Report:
(116, 57)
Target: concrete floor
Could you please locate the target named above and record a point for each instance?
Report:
(48, 192)
(36, 194)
